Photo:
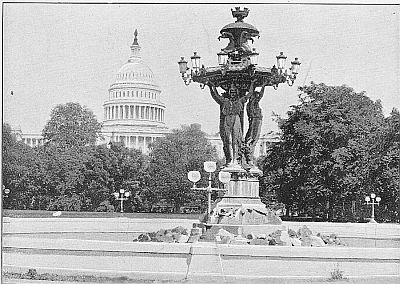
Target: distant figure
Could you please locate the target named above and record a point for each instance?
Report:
(254, 114)
(230, 127)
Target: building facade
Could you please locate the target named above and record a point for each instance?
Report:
(264, 142)
(30, 139)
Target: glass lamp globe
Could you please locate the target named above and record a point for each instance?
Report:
(194, 176)
(222, 58)
(367, 199)
(224, 177)
(210, 166)
(127, 194)
(195, 61)
(254, 57)
(373, 195)
(116, 194)
(295, 66)
(182, 65)
(281, 60)
(121, 190)
(378, 199)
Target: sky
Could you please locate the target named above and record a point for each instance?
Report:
(59, 53)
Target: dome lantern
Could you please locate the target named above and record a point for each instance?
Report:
(135, 47)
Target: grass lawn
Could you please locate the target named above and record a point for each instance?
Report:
(70, 214)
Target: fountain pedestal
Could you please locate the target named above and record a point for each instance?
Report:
(240, 210)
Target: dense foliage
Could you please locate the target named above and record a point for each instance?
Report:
(83, 177)
(71, 125)
(336, 148)
(171, 158)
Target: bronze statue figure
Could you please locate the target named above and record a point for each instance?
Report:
(230, 127)
(254, 115)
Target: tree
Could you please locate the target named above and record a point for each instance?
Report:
(171, 158)
(126, 169)
(84, 178)
(327, 154)
(71, 125)
(21, 171)
(387, 169)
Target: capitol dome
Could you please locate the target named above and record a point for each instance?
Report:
(135, 71)
(133, 111)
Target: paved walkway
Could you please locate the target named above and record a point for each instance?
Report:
(269, 281)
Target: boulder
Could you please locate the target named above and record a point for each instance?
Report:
(181, 230)
(325, 238)
(251, 236)
(195, 234)
(261, 236)
(292, 233)
(224, 233)
(271, 242)
(295, 242)
(259, 242)
(226, 239)
(143, 238)
(239, 240)
(183, 239)
(304, 232)
(305, 241)
(285, 239)
(176, 236)
(276, 236)
(167, 238)
(317, 241)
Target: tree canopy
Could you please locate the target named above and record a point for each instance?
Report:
(171, 158)
(70, 125)
(330, 151)
(21, 171)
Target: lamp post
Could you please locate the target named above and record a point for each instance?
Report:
(109, 144)
(209, 167)
(371, 200)
(6, 191)
(121, 196)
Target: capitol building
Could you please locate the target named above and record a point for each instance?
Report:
(134, 113)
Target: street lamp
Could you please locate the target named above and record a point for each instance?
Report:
(6, 191)
(109, 144)
(121, 196)
(209, 167)
(371, 200)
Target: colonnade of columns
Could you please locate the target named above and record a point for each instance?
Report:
(32, 141)
(134, 112)
(135, 141)
(131, 94)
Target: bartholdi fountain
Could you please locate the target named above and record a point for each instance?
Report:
(239, 210)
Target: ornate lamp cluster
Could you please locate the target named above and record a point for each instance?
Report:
(225, 60)
(122, 196)
(210, 167)
(371, 201)
(239, 61)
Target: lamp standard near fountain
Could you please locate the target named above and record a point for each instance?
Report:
(371, 201)
(238, 74)
(121, 196)
(210, 167)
